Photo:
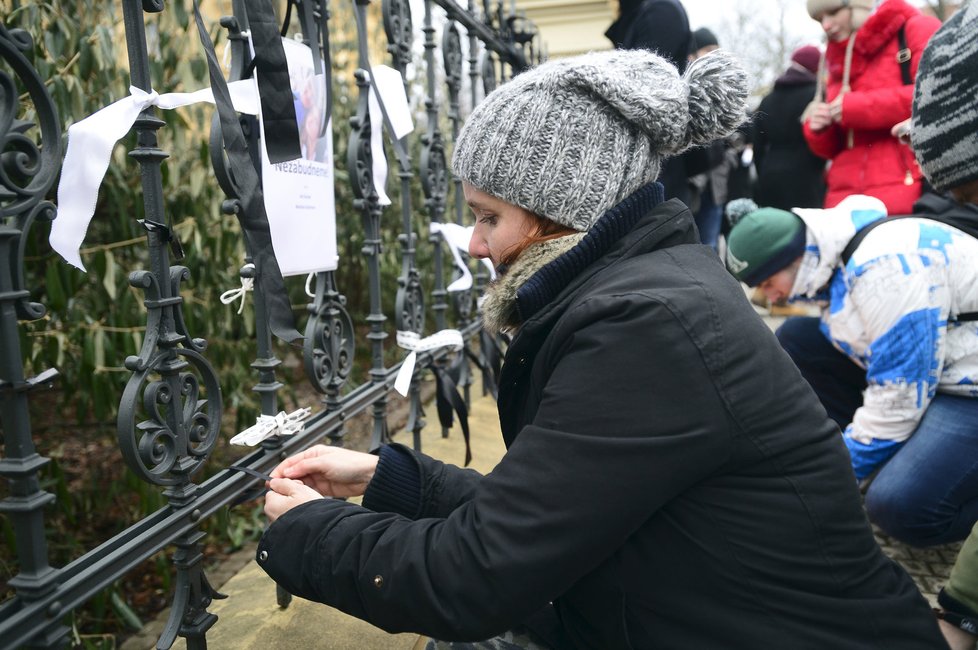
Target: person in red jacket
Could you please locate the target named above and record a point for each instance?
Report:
(868, 69)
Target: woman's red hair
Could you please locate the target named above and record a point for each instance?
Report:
(541, 229)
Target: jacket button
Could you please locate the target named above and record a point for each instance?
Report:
(263, 556)
(378, 581)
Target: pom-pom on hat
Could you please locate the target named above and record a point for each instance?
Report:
(737, 209)
(571, 138)
(762, 243)
(944, 129)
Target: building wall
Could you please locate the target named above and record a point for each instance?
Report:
(570, 27)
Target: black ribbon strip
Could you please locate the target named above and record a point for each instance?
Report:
(254, 221)
(491, 362)
(251, 472)
(274, 84)
(314, 34)
(253, 493)
(447, 400)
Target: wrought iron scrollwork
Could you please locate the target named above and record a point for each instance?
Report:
(329, 339)
(489, 73)
(434, 172)
(409, 303)
(399, 30)
(359, 167)
(454, 63)
(27, 171)
(175, 389)
(193, 593)
(451, 47)
(360, 159)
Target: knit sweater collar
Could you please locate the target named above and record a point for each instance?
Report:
(543, 270)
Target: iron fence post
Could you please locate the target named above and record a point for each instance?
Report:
(27, 174)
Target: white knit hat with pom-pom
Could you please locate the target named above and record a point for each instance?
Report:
(571, 138)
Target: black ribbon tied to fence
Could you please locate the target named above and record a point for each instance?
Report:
(274, 85)
(489, 362)
(449, 400)
(254, 492)
(253, 219)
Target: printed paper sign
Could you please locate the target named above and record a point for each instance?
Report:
(298, 194)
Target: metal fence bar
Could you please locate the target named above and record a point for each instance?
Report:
(170, 412)
(22, 204)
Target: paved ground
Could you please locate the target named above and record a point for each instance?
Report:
(250, 620)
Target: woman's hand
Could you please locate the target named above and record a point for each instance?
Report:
(285, 494)
(820, 117)
(901, 131)
(330, 471)
(835, 109)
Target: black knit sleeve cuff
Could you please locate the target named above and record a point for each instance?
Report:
(396, 484)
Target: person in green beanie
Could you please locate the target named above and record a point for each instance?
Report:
(887, 357)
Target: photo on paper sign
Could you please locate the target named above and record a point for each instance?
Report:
(299, 197)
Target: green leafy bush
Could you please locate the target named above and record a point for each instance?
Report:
(95, 319)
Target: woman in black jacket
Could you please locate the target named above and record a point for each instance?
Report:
(789, 175)
(670, 480)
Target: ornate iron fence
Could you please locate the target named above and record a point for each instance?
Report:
(170, 413)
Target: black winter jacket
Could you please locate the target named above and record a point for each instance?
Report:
(670, 480)
(789, 175)
(662, 26)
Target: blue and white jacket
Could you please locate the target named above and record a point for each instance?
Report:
(888, 310)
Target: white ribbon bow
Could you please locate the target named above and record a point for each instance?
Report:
(413, 342)
(90, 144)
(247, 284)
(390, 86)
(283, 424)
(457, 237)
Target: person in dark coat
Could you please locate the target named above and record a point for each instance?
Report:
(709, 188)
(670, 480)
(662, 26)
(789, 175)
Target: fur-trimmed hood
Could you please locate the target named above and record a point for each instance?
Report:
(543, 270)
(499, 309)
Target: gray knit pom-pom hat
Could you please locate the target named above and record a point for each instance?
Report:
(571, 138)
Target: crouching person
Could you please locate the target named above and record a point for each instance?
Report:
(888, 358)
(670, 480)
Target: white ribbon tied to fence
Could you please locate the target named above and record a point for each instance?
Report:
(413, 342)
(283, 424)
(247, 284)
(457, 237)
(90, 144)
